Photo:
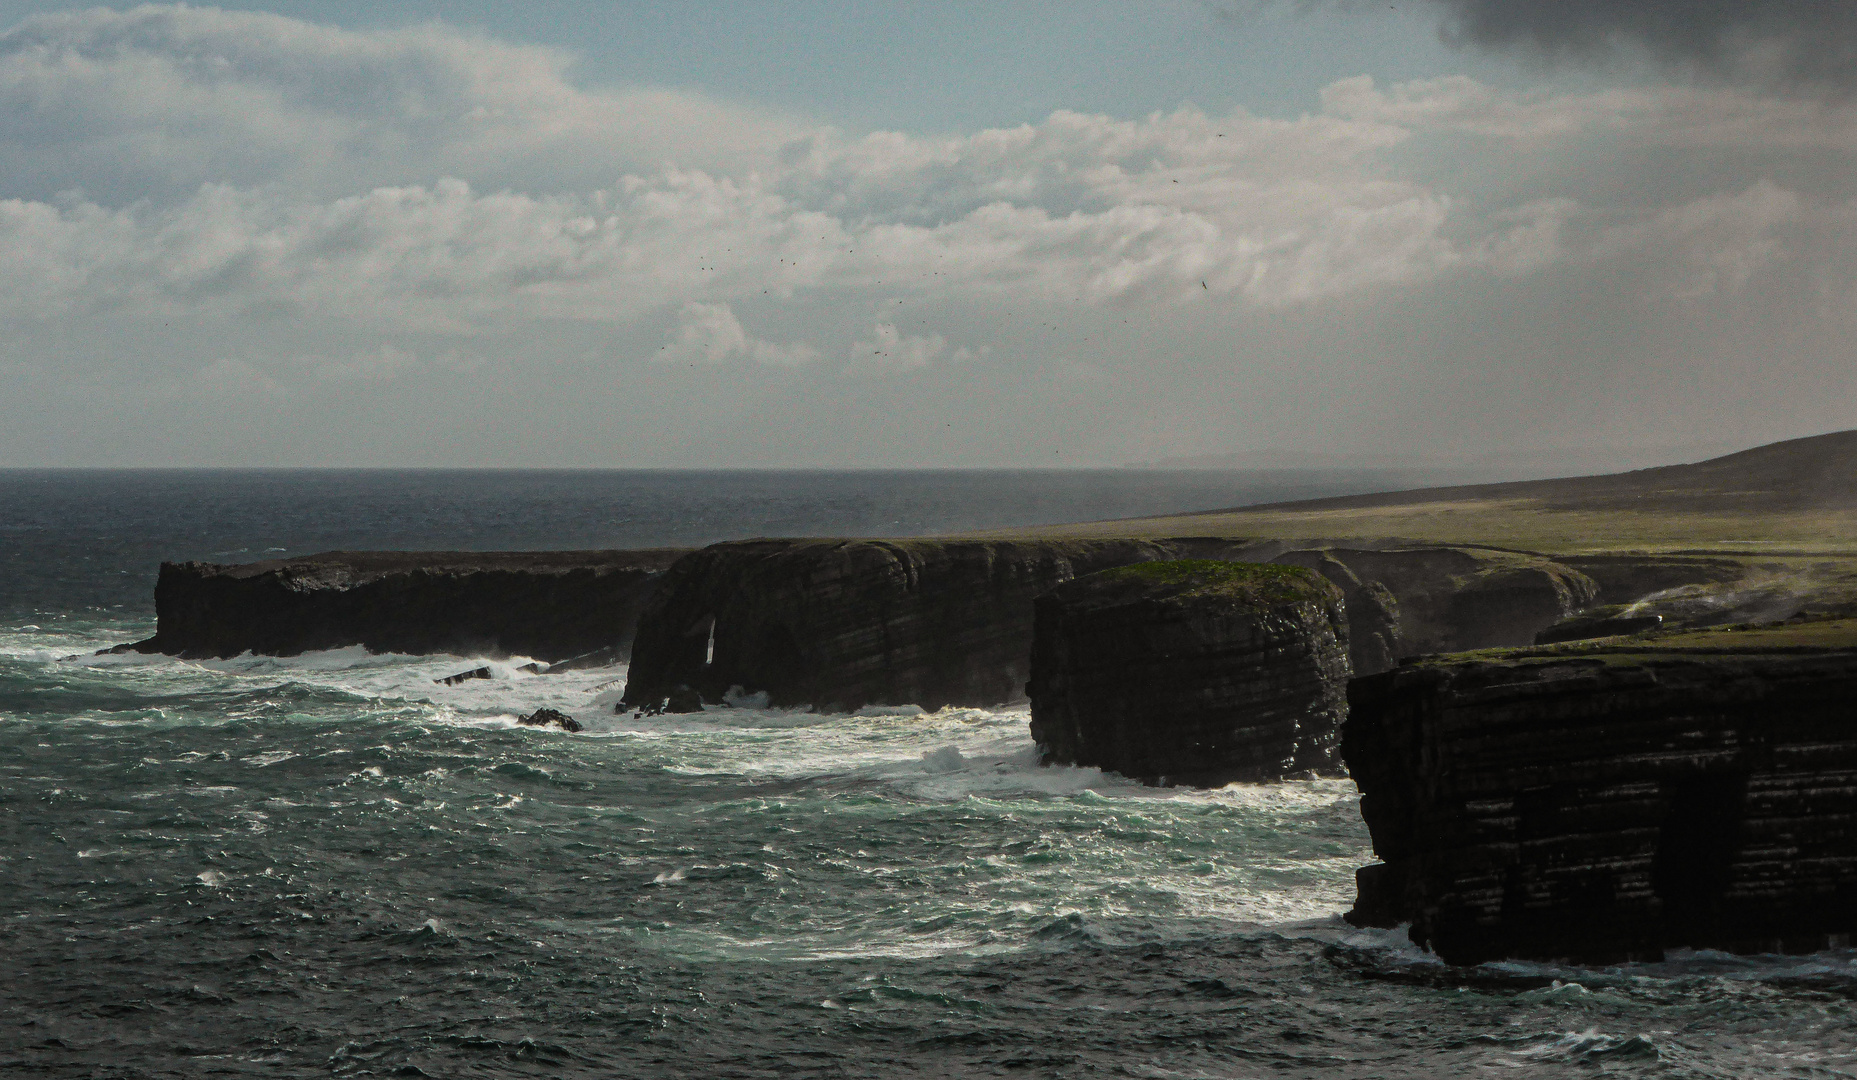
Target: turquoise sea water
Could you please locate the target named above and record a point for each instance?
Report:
(331, 865)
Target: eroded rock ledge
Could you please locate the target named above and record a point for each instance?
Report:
(1613, 799)
(849, 623)
(551, 605)
(1191, 672)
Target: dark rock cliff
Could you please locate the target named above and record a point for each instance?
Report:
(1191, 672)
(949, 622)
(1608, 801)
(848, 623)
(549, 605)
(1455, 598)
(1373, 611)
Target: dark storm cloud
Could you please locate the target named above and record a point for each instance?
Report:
(1800, 43)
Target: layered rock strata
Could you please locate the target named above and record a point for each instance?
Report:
(849, 623)
(1191, 672)
(1374, 641)
(840, 624)
(1611, 800)
(1449, 599)
(548, 605)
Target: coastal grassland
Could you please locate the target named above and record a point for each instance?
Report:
(1739, 640)
(1526, 524)
(1256, 584)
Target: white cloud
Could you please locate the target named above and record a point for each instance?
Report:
(1714, 245)
(163, 98)
(1671, 116)
(425, 184)
(710, 334)
(385, 364)
(229, 379)
(890, 351)
(432, 179)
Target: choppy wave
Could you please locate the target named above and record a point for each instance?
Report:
(335, 864)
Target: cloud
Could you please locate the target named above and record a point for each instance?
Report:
(1714, 245)
(282, 131)
(344, 210)
(1077, 208)
(1669, 116)
(890, 351)
(710, 334)
(228, 379)
(162, 98)
(430, 179)
(1801, 43)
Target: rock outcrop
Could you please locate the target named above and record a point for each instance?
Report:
(1373, 611)
(552, 605)
(848, 623)
(1609, 800)
(1623, 578)
(549, 718)
(1449, 599)
(1192, 672)
(1610, 620)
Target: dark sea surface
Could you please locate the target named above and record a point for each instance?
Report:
(328, 865)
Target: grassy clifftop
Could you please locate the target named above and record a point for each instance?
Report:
(1785, 498)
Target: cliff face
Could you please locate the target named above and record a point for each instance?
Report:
(1373, 611)
(848, 623)
(1610, 801)
(549, 605)
(1405, 601)
(1191, 672)
(941, 622)
(1452, 598)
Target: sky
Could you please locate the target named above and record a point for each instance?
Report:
(869, 234)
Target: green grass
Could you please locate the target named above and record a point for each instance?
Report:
(1822, 635)
(1250, 583)
(1511, 523)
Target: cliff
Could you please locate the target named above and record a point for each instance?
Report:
(548, 605)
(1191, 672)
(1449, 599)
(1615, 798)
(848, 623)
(949, 622)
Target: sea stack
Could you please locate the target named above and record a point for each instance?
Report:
(1191, 672)
(1607, 800)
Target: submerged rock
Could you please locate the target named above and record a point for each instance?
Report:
(1191, 672)
(681, 699)
(465, 676)
(1610, 800)
(548, 605)
(549, 718)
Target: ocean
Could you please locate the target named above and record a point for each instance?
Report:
(331, 865)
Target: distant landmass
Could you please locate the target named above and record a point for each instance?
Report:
(1506, 465)
(1801, 494)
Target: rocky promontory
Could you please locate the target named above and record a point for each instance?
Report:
(1612, 799)
(848, 623)
(551, 605)
(1191, 672)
